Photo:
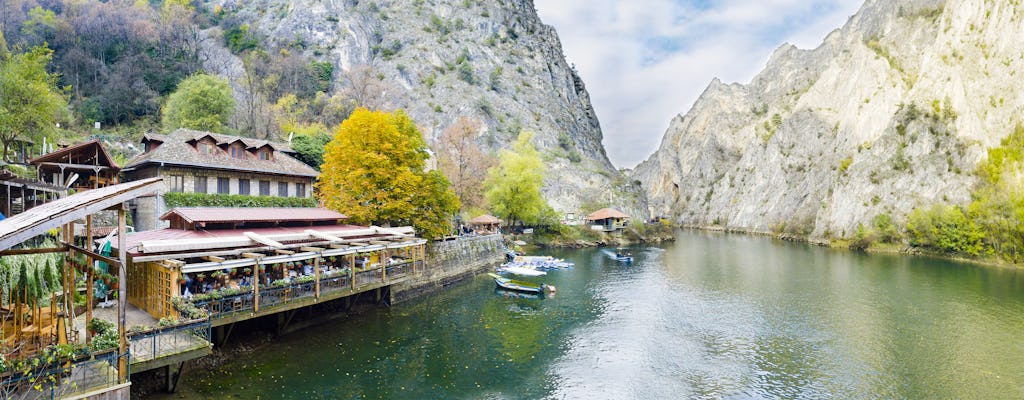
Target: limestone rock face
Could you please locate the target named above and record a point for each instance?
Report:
(893, 111)
(493, 60)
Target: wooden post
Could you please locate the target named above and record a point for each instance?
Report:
(69, 237)
(384, 265)
(352, 272)
(122, 292)
(256, 287)
(316, 275)
(88, 277)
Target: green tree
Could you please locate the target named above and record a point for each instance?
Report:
(309, 148)
(31, 103)
(513, 187)
(374, 171)
(201, 102)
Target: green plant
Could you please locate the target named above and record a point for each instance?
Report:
(176, 199)
(98, 326)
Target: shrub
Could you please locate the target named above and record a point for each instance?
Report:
(945, 228)
(175, 199)
(862, 238)
(885, 230)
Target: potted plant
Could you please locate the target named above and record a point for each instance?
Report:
(182, 280)
(247, 271)
(201, 277)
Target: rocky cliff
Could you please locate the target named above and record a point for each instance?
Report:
(892, 111)
(493, 60)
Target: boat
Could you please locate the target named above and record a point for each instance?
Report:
(521, 286)
(522, 271)
(538, 262)
(620, 254)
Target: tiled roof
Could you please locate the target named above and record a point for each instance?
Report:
(176, 149)
(255, 214)
(606, 213)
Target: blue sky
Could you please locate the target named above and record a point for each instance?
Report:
(645, 61)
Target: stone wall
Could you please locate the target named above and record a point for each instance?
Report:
(450, 262)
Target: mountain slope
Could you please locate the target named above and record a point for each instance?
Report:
(891, 112)
(493, 60)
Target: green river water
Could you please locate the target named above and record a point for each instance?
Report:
(709, 316)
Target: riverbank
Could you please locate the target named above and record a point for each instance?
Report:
(873, 248)
(581, 236)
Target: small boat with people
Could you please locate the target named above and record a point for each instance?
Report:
(521, 286)
(620, 254)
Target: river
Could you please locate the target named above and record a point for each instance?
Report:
(708, 316)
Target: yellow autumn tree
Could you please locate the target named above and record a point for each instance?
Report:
(374, 171)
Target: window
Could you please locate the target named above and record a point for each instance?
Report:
(264, 188)
(237, 152)
(200, 184)
(300, 190)
(264, 154)
(224, 185)
(282, 189)
(205, 148)
(243, 187)
(177, 183)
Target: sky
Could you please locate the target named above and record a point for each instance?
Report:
(646, 61)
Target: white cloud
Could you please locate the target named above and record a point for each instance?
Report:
(644, 61)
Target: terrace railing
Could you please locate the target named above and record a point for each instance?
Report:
(64, 380)
(165, 341)
(226, 305)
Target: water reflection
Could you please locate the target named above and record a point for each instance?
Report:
(710, 316)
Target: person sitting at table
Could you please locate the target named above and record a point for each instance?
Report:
(307, 269)
(233, 284)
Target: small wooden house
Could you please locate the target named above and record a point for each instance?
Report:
(607, 220)
(81, 167)
(485, 224)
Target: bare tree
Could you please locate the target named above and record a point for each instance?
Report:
(365, 86)
(461, 159)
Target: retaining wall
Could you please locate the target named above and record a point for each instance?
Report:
(449, 262)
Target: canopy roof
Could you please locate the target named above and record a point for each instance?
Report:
(82, 155)
(486, 219)
(201, 215)
(606, 213)
(40, 219)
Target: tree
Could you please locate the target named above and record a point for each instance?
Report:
(463, 162)
(309, 148)
(374, 171)
(201, 102)
(30, 100)
(513, 187)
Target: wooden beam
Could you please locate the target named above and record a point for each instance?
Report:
(283, 251)
(312, 249)
(15, 252)
(324, 236)
(262, 239)
(213, 258)
(339, 246)
(108, 260)
(253, 255)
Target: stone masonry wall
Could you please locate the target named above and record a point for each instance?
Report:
(452, 261)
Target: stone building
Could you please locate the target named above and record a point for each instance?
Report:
(203, 162)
